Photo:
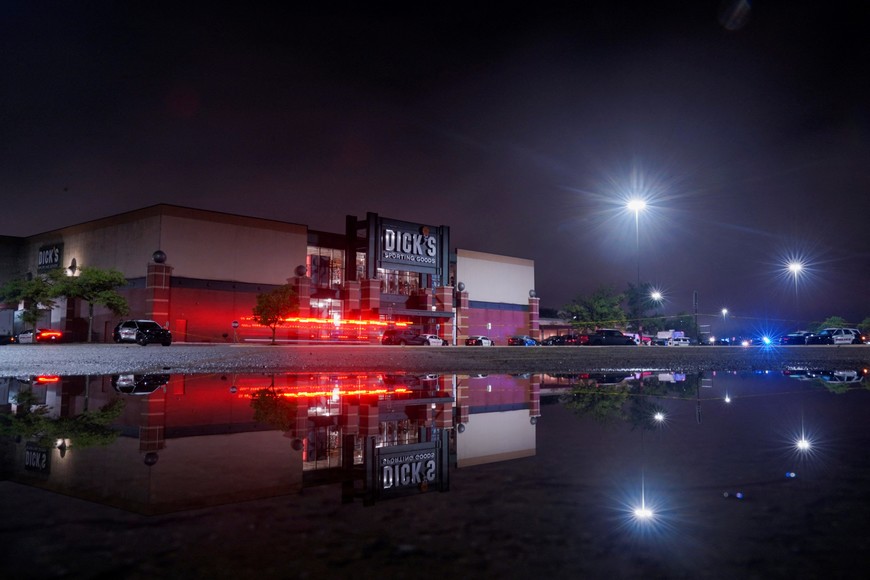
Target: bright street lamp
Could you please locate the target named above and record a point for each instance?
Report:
(724, 313)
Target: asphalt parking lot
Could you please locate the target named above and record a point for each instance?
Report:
(81, 359)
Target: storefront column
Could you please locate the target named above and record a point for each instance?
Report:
(370, 297)
(157, 293)
(535, 317)
(535, 396)
(302, 286)
(461, 320)
(444, 303)
(369, 420)
(350, 296)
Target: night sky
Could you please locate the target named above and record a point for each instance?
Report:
(525, 129)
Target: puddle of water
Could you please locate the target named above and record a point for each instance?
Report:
(729, 467)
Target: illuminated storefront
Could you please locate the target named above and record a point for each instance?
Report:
(199, 273)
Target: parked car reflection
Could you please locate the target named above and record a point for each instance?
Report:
(132, 384)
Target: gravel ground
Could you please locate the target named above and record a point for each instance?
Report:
(82, 359)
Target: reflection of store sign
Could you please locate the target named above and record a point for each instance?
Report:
(49, 257)
(415, 469)
(411, 247)
(36, 458)
(403, 469)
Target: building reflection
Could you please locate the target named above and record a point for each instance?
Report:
(190, 441)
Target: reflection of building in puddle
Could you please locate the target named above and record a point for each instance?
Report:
(496, 417)
(195, 440)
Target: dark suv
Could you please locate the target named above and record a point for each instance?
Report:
(405, 336)
(141, 332)
(607, 336)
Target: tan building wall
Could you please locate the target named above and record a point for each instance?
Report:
(198, 244)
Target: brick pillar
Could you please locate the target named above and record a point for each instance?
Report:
(369, 420)
(152, 421)
(302, 286)
(349, 419)
(535, 396)
(444, 303)
(444, 415)
(463, 401)
(350, 296)
(535, 318)
(370, 297)
(300, 424)
(157, 292)
(461, 320)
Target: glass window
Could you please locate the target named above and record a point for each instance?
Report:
(325, 267)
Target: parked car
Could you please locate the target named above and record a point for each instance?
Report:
(409, 336)
(479, 341)
(40, 335)
(7, 339)
(609, 336)
(836, 336)
(679, 341)
(797, 337)
(522, 340)
(566, 340)
(141, 332)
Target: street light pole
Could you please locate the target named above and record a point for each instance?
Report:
(795, 268)
(637, 205)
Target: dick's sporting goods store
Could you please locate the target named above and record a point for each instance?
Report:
(199, 273)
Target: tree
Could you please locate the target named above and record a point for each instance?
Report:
(274, 306)
(864, 327)
(639, 301)
(682, 321)
(94, 286)
(602, 308)
(830, 322)
(35, 293)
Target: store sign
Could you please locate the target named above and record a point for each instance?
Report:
(412, 247)
(36, 458)
(49, 257)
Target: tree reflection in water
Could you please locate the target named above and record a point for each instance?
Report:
(635, 400)
(32, 422)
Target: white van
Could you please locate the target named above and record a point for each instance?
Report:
(679, 341)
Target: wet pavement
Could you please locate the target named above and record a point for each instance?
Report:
(546, 474)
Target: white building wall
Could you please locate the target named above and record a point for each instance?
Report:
(491, 437)
(495, 278)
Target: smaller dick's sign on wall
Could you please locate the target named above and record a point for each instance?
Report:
(49, 257)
